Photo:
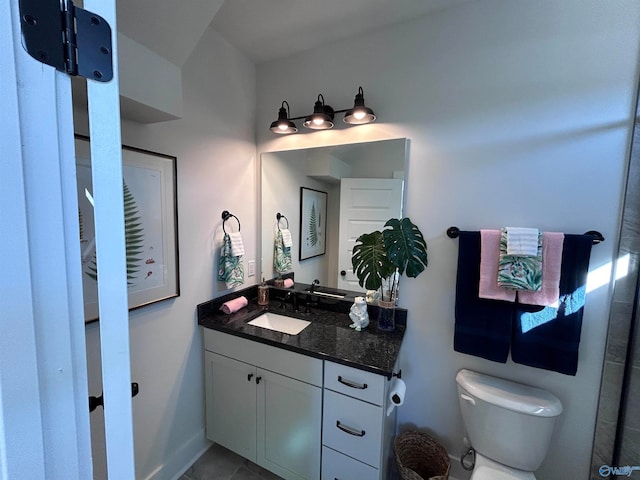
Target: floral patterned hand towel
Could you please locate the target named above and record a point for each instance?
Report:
(281, 254)
(230, 268)
(517, 271)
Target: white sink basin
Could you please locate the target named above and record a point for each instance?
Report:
(280, 323)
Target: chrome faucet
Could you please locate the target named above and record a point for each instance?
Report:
(315, 283)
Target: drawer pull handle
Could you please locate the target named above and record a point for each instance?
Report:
(352, 384)
(258, 380)
(349, 430)
(249, 377)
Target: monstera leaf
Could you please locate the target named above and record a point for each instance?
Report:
(405, 246)
(378, 255)
(370, 262)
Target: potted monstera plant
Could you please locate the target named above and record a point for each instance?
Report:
(379, 259)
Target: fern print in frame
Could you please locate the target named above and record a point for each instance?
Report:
(133, 236)
(313, 222)
(313, 226)
(150, 227)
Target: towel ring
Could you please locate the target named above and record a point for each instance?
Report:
(226, 216)
(278, 217)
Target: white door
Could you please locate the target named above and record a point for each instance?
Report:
(365, 206)
(43, 386)
(44, 416)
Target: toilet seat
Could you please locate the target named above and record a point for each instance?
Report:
(487, 469)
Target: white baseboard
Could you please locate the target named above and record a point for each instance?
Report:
(179, 461)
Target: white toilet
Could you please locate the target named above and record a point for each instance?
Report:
(509, 425)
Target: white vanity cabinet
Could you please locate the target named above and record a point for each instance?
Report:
(357, 434)
(265, 404)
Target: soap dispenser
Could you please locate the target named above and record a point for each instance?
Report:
(263, 294)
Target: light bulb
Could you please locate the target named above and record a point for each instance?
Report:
(318, 121)
(359, 114)
(283, 126)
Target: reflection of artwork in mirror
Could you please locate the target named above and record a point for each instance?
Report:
(313, 221)
(150, 223)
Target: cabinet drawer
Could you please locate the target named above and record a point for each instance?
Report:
(291, 364)
(353, 427)
(356, 383)
(336, 466)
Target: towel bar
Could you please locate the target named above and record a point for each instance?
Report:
(453, 232)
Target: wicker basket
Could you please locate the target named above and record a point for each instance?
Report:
(420, 457)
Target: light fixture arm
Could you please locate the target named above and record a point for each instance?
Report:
(284, 102)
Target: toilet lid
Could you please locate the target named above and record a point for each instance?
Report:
(488, 473)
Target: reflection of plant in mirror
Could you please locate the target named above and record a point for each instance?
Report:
(382, 257)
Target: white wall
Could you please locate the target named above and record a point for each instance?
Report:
(215, 149)
(518, 113)
(283, 174)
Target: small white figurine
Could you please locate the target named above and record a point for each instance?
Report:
(358, 314)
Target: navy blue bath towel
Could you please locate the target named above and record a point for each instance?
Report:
(482, 327)
(553, 345)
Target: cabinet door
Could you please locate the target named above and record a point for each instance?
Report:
(231, 404)
(289, 426)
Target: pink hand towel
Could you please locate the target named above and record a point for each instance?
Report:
(288, 283)
(551, 262)
(234, 305)
(489, 256)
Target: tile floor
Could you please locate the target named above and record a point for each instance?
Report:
(218, 463)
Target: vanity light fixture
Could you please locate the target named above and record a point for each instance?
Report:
(323, 115)
(283, 125)
(359, 114)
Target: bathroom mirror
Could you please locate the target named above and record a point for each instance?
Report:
(373, 193)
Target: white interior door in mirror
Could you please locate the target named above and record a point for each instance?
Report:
(365, 206)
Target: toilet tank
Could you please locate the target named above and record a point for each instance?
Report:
(508, 422)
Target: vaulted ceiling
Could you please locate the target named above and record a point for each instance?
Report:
(263, 29)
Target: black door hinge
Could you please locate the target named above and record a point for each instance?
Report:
(69, 38)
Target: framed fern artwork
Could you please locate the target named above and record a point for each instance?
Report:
(313, 223)
(150, 218)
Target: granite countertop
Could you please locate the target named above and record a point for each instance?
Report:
(328, 337)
